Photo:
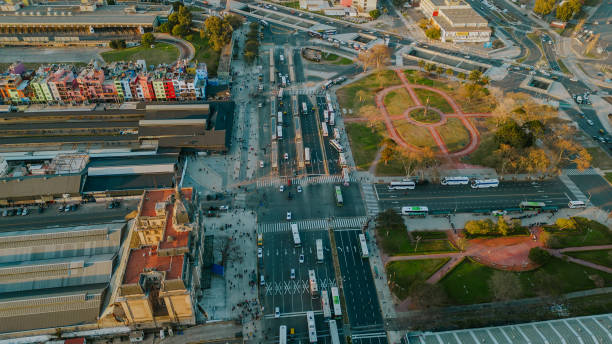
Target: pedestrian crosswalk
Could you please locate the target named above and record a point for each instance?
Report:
(370, 198)
(579, 196)
(313, 224)
(302, 181)
(576, 172)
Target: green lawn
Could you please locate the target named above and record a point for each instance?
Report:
(435, 100)
(454, 134)
(468, 283)
(364, 144)
(421, 115)
(422, 78)
(588, 233)
(418, 136)
(403, 274)
(348, 96)
(395, 167)
(343, 61)
(161, 53)
(430, 246)
(600, 158)
(398, 101)
(394, 240)
(205, 53)
(603, 257)
(329, 56)
(483, 154)
(608, 176)
(429, 235)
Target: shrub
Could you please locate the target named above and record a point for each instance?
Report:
(375, 14)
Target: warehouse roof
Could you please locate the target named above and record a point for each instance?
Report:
(128, 182)
(32, 186)
(465, 15)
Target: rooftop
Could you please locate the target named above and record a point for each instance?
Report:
(146, 258)
(128, 182)
(465, 15)
(29, 186)
(151, 198)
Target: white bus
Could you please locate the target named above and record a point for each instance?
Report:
(324, 129)
(279, 132)
(283, 80)
(326, 116)
(336, 133)
(327, 96)
(342, 160)
(403, 185)
(336, 302)
(330, 108)
(332, 118)
(327, 84)
(455, 181)
(333, 332)
(325, 304)
(304, 108)
(282, 335)
(307, 156)
(312, 329)
(312, 283)
(296, 235)
(364, 247)
(336, 145)
(279, 118)
(282, 58)
(484, 183)
(415, 211)
(319, 244)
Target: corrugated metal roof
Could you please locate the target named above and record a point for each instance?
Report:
(32, 186)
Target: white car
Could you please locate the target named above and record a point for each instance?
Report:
(259, 252)
(301, 258)
(261, 163)
(292, 273)
(288, 216)
(299, 188)
(499, 212)
(286, 156)
(590, 122)
(277, 312)
(281, 188)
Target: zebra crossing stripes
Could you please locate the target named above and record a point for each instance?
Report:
(303, 181)
(370, 198)
(573, 189)
(314, 224)
(576, 172)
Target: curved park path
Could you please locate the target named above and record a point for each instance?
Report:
(431, 127)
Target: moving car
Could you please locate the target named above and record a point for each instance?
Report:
(288, 216)
(259, 252)
(301, 258)
(292, 273)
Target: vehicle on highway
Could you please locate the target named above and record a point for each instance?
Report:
(297, 242)
(299, 188)
(455, 181)
(319, 246)
(262, 280)
(338, 194)
(333, 332)
(286, 156)
(259, 252)
(288, 216)
(4, 213)
(576, 204)
(403, 185)
(282, 335)
(261, 163)
(414, 211)
(301, 259)
(277, 312)
(484, 183)
(336, 145)
(590, 122)
(292, 274)
(499, 212)
(259, 239)
(325, 304)
(364, 246)
(307, 156)
(336, 302)
(313, 285)
(281, 188)
(527, 205)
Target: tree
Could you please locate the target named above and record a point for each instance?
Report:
(421, 64)
(510, 133)
(375, 14)
(565, 11)
(484, 80)
(502, 226)
(234, 20)
(180, 30)
(583, 159)
(538, 160)
(566, 224)
(113, 44)
(218, 31)
(184, 16)
(440, 70)
(479, 227)
(505, 285)
(387, 154)
(543, 7)
(377, 57)
(433, 33)
(539, 255)
(423, 23)
(475, 76)
(461, 76)
(449, 72)
(370, 112)
(147, 39)
(110, 2)
(165, 27)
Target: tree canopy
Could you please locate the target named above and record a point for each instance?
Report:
(218, 31)
(147, 39)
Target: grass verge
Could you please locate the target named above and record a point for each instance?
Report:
(602, 257)
(398, 101)
(349, 96)
(420, 115)
(435, 100)
(344, 62)
(160, 53)
(364, 144)
(587, 233)
(418, 136)
(403, 274)
(454, 134)
(608, 177)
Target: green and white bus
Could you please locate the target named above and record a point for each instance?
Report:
(415, 211)
(532, 205)
(339, 200)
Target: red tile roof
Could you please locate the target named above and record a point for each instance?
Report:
(140, 260)
(179, 239)
(151, 198)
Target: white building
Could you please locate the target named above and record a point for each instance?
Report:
(457, 21)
